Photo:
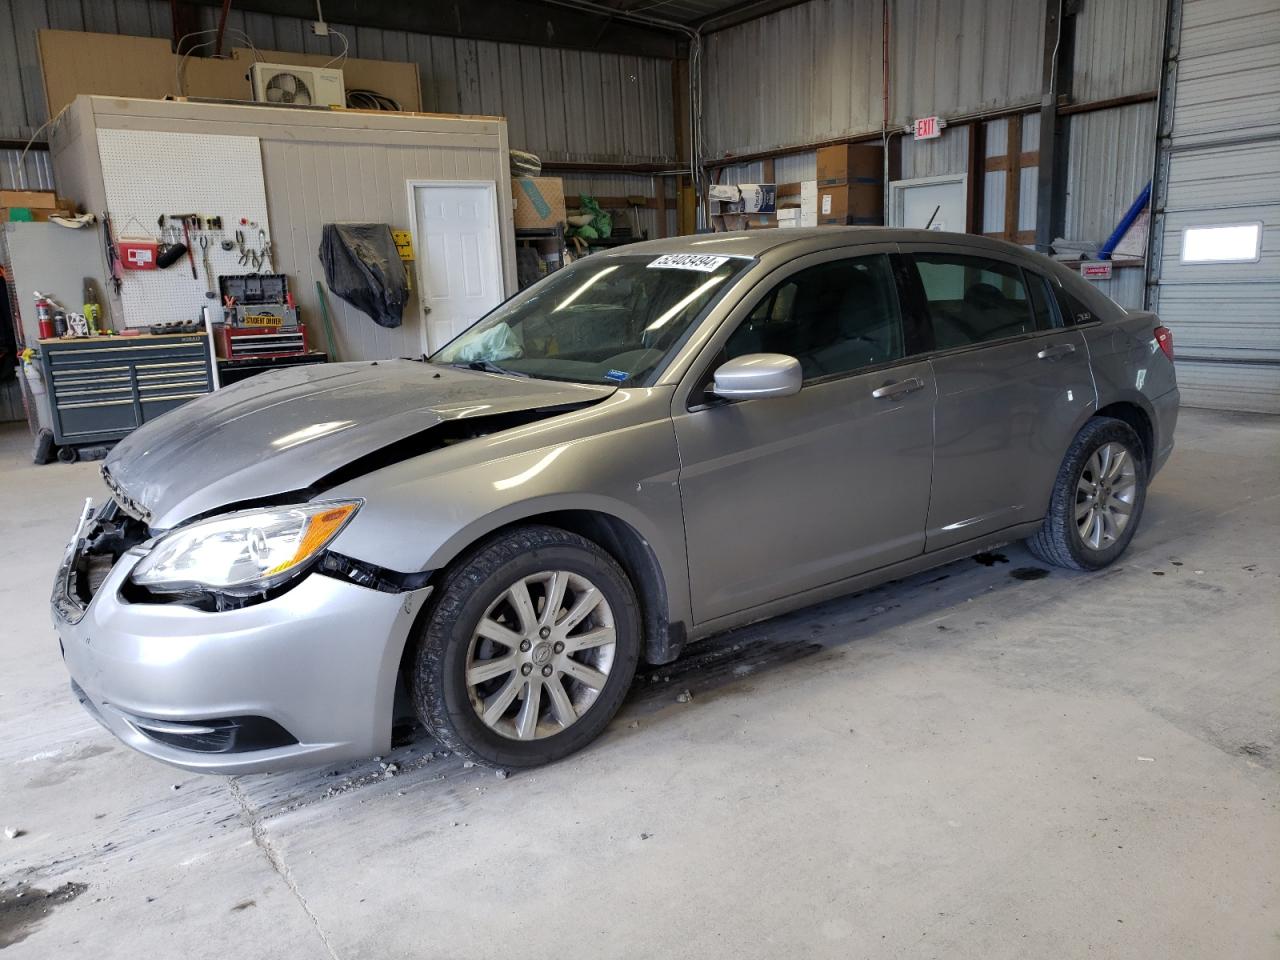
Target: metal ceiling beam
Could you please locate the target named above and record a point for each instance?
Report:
(507, 21)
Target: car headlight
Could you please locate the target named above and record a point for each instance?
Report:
(245, 552)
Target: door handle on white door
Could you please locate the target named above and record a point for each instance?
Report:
(1056, 351)
(900, 388)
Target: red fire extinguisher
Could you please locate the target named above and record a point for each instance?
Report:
(44, 317)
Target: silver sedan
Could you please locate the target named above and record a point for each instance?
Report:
(650, 446)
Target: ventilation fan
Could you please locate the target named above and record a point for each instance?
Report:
(289, 84)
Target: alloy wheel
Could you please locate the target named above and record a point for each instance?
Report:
(1105, 495)
(540, 655)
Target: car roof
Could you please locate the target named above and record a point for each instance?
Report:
(799, 241)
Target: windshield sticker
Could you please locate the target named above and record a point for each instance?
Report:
(618, 375)
(688, 261)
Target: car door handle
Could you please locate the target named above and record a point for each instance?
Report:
(900, 388)
(1056, 351)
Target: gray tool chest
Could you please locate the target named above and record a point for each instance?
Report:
(102, 388)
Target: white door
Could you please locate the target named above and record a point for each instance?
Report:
(459, 257)
(932, 203)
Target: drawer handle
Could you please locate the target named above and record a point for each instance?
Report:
(77, 371)
(95, 403)
(176, 396)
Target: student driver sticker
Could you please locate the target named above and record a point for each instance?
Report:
(687, 261)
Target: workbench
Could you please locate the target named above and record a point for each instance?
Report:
(101, 388)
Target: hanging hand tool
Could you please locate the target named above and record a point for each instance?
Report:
(113, 255)
(264, 251)
(186, 236)
(208, 267)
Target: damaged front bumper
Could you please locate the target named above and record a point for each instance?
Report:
(304, 678)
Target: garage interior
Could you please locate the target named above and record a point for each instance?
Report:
(988, 759)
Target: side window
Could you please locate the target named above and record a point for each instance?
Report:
(1073, 311)
(834, 318)
(973, 299)
(1041, 302)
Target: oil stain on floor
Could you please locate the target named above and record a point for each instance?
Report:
(24, 908)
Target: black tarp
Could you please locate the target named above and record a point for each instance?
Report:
(362, 266)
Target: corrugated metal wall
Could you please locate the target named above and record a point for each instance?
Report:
(949, 154)
(560, 104)
(1118, 48)
(1221, 165)
(813, 72)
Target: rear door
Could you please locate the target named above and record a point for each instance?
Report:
(785, 494)
(1013, 386)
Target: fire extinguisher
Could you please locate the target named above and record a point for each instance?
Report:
(44, 317)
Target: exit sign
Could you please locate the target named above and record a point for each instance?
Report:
(928, 128)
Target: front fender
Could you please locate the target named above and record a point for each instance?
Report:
(418, 518)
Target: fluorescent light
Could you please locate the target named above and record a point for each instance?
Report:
(1234, 243)
(663, 320)
(584, 288)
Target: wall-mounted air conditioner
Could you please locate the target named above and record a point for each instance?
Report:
(292, 85)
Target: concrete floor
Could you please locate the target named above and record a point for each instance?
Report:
(964, 764)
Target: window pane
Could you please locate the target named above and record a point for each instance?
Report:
(973, 299)
(1046, 318)
(1228, 244)
(834, 318)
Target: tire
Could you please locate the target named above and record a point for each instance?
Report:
(68, 454)
(1060, 540)
(452, 641)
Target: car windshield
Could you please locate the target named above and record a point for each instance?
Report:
(601, 320)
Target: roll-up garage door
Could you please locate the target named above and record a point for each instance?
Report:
(1216, 269)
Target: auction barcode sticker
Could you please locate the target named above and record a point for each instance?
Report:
(688, 261)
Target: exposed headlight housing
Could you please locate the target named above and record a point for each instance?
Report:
(242, 553)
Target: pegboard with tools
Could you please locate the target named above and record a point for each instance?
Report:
(200, 198)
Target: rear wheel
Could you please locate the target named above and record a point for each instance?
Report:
(529, 650)
(1097, 498)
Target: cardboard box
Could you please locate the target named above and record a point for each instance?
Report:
(858, 203)
(73, 62)
(850, 163)
(539, 202)
(35, 199)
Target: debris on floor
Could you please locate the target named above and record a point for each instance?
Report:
(684, 696)
(13, 833)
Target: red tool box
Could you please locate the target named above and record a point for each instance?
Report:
(236, 343)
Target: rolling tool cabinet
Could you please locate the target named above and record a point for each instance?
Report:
(102, 388)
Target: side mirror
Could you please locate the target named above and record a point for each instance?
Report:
(758, 375)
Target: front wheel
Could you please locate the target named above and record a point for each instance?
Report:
(529, 650)
(1097, 498)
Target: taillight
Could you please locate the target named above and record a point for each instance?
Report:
(1164, 337)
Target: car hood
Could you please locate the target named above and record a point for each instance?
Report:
(288, 431)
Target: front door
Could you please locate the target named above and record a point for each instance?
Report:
(783, 495)
(1013, 388)
(459, 258)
